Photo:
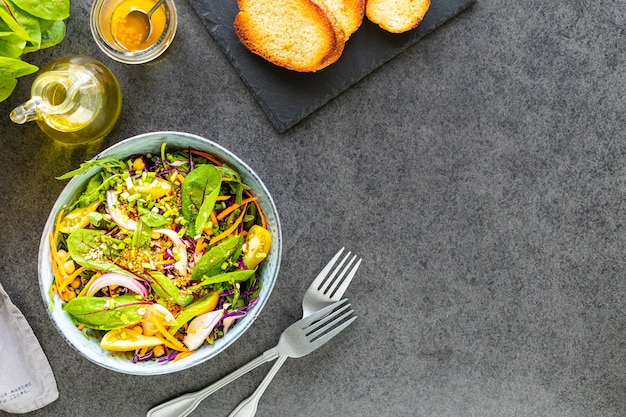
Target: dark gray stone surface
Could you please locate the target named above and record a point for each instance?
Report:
(481, 174)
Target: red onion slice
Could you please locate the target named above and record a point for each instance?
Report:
(108, 279)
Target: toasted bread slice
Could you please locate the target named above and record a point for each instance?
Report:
(349, 13)
(396, 16)
(294, 34)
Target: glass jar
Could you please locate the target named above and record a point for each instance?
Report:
(112, 33)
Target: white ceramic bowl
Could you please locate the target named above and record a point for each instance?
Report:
(268, 271)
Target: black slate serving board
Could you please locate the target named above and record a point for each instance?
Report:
(286, 96)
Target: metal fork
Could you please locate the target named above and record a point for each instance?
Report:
(325, 289)
(299, 339)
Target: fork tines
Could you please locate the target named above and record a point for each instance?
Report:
(329, 322)
(331, 284)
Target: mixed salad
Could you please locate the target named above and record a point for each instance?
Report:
(158, 255)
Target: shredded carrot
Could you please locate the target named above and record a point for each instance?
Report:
(60, 276)
(200, 245)
(55, 271)
(167, 345)
(67, 281)
(57, 267)
(56, 227)
(258, 207)
(171, 339)
(207, 156)
(228, 231)
(223, 197)
(227, 211)
(182, 355)
(143, 351)
(81, 326)
(213, 217)
(234, 207)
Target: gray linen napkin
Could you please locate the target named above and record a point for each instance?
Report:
(26, 379)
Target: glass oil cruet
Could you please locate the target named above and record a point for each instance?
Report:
(75, 99)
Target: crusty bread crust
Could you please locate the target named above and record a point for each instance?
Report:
(396, 16)
(339, 32)
(294, 34)
(308, 35)
(349, 13)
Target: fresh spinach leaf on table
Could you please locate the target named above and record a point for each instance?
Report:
(49, 9)
(27, 26)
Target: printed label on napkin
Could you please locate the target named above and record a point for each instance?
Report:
(26, 379)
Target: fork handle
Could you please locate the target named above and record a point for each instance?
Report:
(247, 408)
(185, 404)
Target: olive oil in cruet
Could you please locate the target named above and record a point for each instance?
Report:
(75, 99)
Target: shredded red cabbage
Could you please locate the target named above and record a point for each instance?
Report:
(169, 357)
(139, 358)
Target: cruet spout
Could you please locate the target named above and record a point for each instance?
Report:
(26, 112)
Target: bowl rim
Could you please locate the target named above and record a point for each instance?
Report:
(45, 276)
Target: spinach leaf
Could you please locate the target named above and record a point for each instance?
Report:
(27, 26)
(233, 179)
(92, 192)
(10, 70)
(154, 219)
(211, 262)
(26, 21)
(14, 68)
(6, 16)
(231, 277)
(200, 306)
(198, 195)
(7, 85)
(11, 45)
(167, 290)
(93, 249)
(106, 313)
(52, 32)
(49, 9)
